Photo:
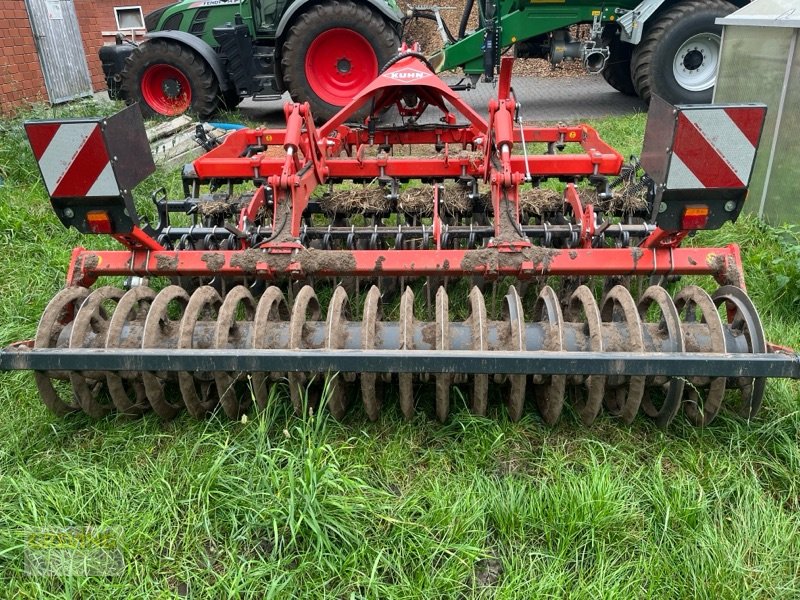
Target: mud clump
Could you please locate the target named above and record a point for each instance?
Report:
(541, 256)
(90, 262)
(636, 254)
(493, 260)
(306, 261)
(732, 274)
(248, 260)
(509, 228)
(727, 273)
(83, 264)
(429, 335)
(166, 262)
(77, 271)
(214, 260)
(315, 261)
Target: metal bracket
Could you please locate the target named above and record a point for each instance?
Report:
(632, 22)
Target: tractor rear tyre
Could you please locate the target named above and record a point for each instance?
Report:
(678, 56)
(167, 79)
(617, 71)
(229, 100)
(332, 52)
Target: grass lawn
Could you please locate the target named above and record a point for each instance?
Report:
(282, 506)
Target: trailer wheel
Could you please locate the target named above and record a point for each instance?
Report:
(334, 51)
(167, 79)
(617, 71)
(678, 56)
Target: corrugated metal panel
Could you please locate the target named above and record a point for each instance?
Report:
(60, 47)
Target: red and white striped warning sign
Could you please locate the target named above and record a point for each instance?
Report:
(715, 147)
(73, 159)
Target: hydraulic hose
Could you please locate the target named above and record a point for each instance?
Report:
(462, 26)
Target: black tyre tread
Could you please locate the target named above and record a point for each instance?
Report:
(654, 34)
(205, 88)
(378, 32)
(617, 71)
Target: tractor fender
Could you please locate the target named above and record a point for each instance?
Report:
(631, 24)
(205, 51)
(296, 7)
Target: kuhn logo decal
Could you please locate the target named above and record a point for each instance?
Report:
(406, 74)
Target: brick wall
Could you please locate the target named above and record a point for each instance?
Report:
(21, 78)
(95, 18)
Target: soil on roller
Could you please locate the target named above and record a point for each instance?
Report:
(540, 201)
(355, 200)
(629, 198)
(419, 200)
(217, 207)
(416, 200)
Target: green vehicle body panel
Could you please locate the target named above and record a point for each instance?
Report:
(219, 13)
(520, 21)
(266, 19)
(518, 25)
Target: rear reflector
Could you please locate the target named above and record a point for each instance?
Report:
(98, 221)
(694, 217)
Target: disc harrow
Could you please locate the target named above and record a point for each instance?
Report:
(344, 249)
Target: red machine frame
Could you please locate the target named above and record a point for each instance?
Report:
(312, 156)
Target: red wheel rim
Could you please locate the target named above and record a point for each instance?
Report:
(339, 64)
(166, 90)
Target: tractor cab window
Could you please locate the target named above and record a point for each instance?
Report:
(265, 14)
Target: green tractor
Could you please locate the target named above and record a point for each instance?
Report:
(201, 55)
